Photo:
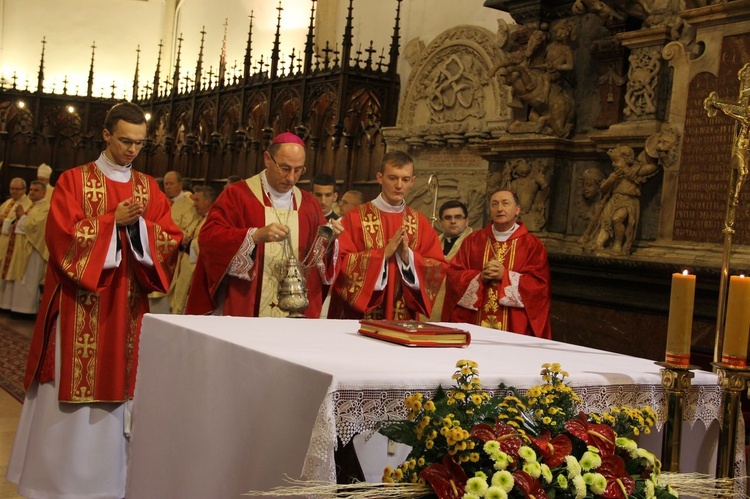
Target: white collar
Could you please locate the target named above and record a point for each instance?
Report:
(112, 170)
(381, 204)
(504, 236)
(282, 200)
(178, 197)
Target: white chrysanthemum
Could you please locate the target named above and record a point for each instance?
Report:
(502, 460)
(526, 453)
(504, 480)
(470, 496)
(546, 473)
(533, 468)
(573, 467)
(649, 489)
(562, 482)
(596, 482)
(481, 474)
(477, 486)
(628, 445)
(646, 456)
(491, 447)
(580, 485)
(496, 493)
(590, 461)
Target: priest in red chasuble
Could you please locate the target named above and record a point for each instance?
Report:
(111, 241)
(391, 264)
(248, 231)
(500, 276)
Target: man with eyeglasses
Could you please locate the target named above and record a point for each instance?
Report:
(247, 233)
(391, 263)
(454, 221)
(8, 219)
(111, 241)
(500, 276)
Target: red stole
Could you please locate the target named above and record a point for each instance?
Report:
(100, 309)
(367, 231)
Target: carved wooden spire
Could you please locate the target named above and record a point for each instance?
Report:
(393, 63)
(223, 58)
(40, 77)
(176, 75)
(157, 76)
(276, 43)
(346, 46)
(310, 40)
(90, 85)
(249, 49)
(135, 77)
(199, 66)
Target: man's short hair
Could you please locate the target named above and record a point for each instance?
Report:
(515, 196)
(453, 203)
(207, 191)
(39, 182)
(233, 178)
(399, 159)
(324, 179)
(125, 111)
(357, 194)
(177, 174)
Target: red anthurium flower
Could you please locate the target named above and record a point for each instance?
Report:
(531, 487)
(620, 484)
(448, 480)
(600, 436)
(507, 436)
(553, 451)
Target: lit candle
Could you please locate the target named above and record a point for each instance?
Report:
(737, 325)
(680, 325)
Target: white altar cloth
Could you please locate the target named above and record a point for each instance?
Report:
(225, 405)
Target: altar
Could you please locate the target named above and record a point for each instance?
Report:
(225, 405)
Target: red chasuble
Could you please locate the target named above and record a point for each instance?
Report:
(520, 302)
(362, 252)
(236, 210)
(100, 309)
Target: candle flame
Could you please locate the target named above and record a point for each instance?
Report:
(742, 276)
(685, 272)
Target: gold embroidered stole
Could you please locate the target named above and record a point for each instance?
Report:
(273, 253)
(491, 313)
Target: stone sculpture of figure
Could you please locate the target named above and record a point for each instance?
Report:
(589, 183)
(640, 97)
(534, 75)
(617, 215)
(532, 189)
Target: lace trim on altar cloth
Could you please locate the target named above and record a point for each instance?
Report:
(471, 296)
(242, 263)
(345, 413)
(512, 296)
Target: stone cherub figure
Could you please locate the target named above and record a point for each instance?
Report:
(617, 215)
(534, 74)
(532, 188)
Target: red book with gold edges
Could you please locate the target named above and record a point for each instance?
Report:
(415, 333)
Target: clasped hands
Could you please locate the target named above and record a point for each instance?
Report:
(127, 212)
(493, 271)
(275, 232)
(398, 243)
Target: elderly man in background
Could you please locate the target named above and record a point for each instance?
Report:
(349, 201)
(203, 198)
(44, 174)
(29, 259)
(8, 218)
(184, 215)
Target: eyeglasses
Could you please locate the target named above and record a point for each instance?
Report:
(286, 170)
(453, 217)
(130, 143)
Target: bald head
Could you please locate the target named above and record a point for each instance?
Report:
(17, 188)
(349, 201)
(172, 184)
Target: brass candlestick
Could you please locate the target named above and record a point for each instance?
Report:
(733, 381)
(677, 382)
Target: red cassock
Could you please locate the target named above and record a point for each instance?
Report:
(367, 231)
(100, 309)
(520, 302)
(236, 210)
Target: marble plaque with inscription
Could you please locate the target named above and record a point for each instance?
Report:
(702, 188)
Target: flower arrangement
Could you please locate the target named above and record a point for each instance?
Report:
(467, 444)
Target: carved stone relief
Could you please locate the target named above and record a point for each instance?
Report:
(640, 96)
(530, 180)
